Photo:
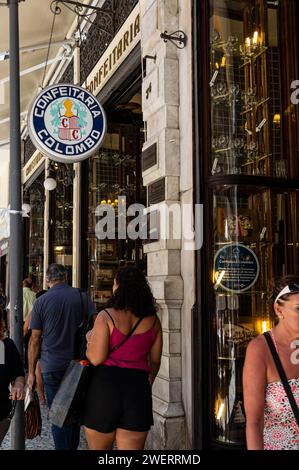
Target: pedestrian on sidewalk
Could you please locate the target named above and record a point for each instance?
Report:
(125, 345)
(38, 373)
(28, 300)
(11, 373)
(56, 318)
(271, 376)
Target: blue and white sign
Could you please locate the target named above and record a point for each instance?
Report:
(66, 123)
(237, 268)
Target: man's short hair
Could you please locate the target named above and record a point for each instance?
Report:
(56, 272)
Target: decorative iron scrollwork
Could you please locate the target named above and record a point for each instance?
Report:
(178, 38)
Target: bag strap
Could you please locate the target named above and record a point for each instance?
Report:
(127, 337)
(282, 376)
(110, 316)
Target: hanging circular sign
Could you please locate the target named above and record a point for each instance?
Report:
(237, 267)
(66, 123)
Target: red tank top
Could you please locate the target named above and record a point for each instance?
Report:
(133, 354)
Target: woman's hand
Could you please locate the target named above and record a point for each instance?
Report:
(17, 391)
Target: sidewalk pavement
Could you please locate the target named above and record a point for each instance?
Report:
(45, 440)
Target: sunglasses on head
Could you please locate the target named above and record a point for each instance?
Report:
(291, 288)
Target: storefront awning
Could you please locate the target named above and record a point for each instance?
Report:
(35, 18)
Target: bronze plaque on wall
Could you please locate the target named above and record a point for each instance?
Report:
(153, 227)
(156, 192)
(149, 157)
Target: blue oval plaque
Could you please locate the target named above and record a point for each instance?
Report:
(237, 267)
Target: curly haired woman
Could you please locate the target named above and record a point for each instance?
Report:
(119, 400)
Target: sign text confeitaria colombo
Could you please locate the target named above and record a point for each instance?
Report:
(66, 123)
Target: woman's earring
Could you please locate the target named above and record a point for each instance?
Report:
(281, 317)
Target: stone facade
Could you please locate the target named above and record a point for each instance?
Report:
(167, 111)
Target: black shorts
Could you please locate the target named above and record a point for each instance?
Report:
(118, 398)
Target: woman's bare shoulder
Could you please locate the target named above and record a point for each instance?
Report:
(102, 318)
(257, 346)
(256, 362)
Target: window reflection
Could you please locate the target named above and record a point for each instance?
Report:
(113, 176)
(245, 90)
(251, 246)
(62, 227)
(34, 195)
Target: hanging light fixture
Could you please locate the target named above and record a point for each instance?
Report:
(26, 208)
(50, 184)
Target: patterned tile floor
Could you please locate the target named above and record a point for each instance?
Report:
(45, 440)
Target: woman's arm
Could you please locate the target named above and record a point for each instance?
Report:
(254, 387)
(156, 353)
(98, 341)
(26, 324)
(33, 355)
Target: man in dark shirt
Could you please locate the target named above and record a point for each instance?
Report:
(56, 317)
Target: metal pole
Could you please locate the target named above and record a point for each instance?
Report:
(16, 229)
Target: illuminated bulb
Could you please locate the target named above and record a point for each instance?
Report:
(247, 42)
(109, 201)
(217, 65)
(276, 119)
(255, 37)
(223, 61)
(264, 326)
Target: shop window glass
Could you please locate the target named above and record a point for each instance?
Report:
(62, 218)
(34, 196)
(256, 237)
(247, 112)
(113, 173)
